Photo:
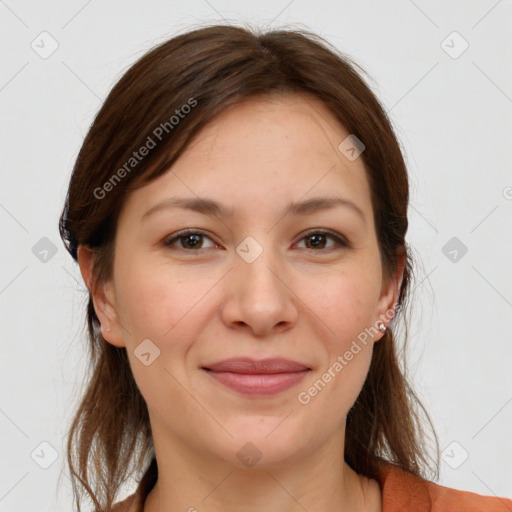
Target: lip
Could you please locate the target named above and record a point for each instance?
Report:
(257, 377)
(248, 365)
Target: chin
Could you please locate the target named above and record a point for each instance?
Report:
(261, 445)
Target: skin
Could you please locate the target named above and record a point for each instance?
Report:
(296, 300)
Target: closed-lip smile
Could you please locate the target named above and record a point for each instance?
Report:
(257, 377)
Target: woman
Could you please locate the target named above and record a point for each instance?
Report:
(238, 210)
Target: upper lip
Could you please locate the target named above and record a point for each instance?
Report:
(253, 366)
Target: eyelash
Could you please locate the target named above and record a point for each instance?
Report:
(340, 240)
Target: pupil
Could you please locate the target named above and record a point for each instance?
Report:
(316, 237)
(189, 237)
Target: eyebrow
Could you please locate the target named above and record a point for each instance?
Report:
(211, 207)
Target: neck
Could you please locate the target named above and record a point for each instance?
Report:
(192, 481)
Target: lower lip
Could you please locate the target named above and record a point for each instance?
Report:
(258, 384)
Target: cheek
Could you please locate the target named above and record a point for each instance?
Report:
(166, 310)
(346, 303)
(155, 301)
(347, 307)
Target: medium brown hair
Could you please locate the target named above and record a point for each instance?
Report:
(218, 66)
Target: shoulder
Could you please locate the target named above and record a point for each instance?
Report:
(402, 490)
(447, 499)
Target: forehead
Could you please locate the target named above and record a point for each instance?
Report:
(262, 151)
(277, 123)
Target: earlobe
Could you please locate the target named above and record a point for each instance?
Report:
(102, 298)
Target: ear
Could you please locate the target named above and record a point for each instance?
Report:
(390, 291)
(103, 298)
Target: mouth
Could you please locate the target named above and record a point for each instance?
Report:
(257, 378)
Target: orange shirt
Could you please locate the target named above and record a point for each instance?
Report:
(401, 492)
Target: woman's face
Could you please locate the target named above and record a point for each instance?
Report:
(255, 279)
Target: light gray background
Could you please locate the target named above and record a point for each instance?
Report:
(452, 115)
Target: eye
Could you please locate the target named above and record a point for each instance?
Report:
(191, 241)
(316, 239)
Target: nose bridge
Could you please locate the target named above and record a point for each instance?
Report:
(255, 264)
(259, 297)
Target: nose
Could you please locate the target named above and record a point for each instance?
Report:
(259, 297)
